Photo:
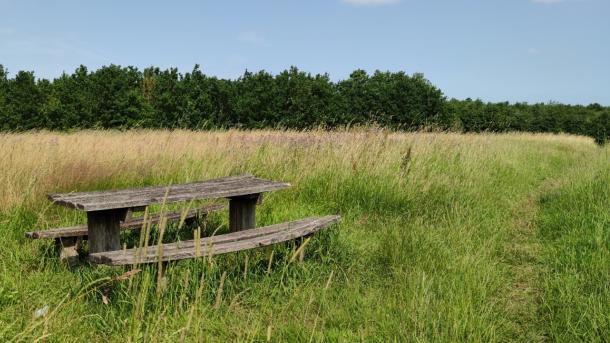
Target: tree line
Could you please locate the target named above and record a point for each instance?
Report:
(125, 97)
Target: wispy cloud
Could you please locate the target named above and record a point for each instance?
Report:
(49, 46)
(533, 51)
(5, 31)
(547, 2)
(370, 2)
(250, 37)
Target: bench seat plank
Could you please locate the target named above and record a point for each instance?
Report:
(134, 223)
(226, 187)
(216, 245)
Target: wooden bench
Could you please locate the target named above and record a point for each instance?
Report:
(128, 224)
(216, 245)
(68, 239)
(107, 212)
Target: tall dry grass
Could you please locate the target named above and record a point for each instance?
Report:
(425, 251)
(32, 164)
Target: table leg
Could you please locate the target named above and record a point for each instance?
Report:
(242, 212)
(103, 229)
(68, 249)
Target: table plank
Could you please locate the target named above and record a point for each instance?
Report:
(126, 198)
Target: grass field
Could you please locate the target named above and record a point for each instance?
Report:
(444, 237)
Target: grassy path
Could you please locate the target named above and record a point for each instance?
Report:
(574, 229)
(551, 222)
(444, 238)
(523, 254)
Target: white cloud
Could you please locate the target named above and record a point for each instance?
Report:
(546, 2)
(237, 59)
(370, 2)
(4, 31)
(250, 37)
(533, 51)
(49, 46)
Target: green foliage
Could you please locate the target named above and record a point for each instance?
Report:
(3, 91)
(23, 101)
(477, 116)
(124, 97)
(600, 128)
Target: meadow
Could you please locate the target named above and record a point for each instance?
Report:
(444, 237)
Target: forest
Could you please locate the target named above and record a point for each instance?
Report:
(125, 97)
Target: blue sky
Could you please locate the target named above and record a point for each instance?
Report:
(496, 50)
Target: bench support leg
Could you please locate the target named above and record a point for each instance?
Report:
(301, 241)
(242, 212)
(68, 249)
(103, 228)
(190, 222)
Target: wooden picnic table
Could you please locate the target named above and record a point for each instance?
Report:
(106, 209)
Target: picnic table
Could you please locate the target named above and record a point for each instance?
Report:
(108, 212)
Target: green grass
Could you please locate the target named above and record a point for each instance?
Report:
(574, 226)
(444, 238)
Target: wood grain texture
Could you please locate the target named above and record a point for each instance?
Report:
(236, 241)
(103, 229)
(242, 212)
(226, 187)
(129, 224)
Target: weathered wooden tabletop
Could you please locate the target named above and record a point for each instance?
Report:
(226, 187)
